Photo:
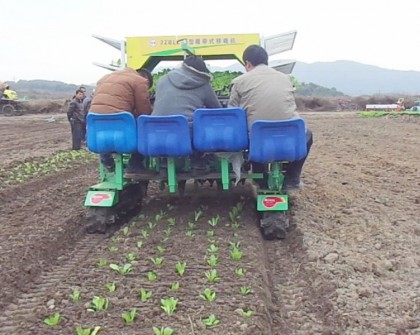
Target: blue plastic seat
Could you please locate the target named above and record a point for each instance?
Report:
(111, 133)
(275, 141)
(220, 130)
(164, 136)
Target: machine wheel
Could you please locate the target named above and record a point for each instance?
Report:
(8, 110)
(274, 225)
(98, 220)
(101, 220)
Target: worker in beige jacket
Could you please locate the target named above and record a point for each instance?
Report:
(267, 94)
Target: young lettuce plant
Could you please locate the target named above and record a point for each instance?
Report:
(160, 249)
(189, 233)
(122, 270)
(157, 260)
(214, 221)
(212, 275)
(102, 263)
(180, 268)
(236, 254)
(162, 331)
(213, 249)
(129, 316)
(240, 272)
(75, 295)
(211, 321)
(53, 320)
(87, 331)
(245, 290)
(172, 221)
(145, 294)
(212, 260)
(151, 276)
(169, 305)
(208, 294)
(175, 286)
(98, 304)
(131, 256)
(246, 312)
(111, 287)
(197, 215)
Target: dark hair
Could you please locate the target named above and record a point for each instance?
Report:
(145, 73)
(80, 91)
(197, 63)
(255, 54)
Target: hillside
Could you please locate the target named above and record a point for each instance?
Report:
(357, 79)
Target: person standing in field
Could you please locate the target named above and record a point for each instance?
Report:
(267, 94)
(76, 117)
(124, 90)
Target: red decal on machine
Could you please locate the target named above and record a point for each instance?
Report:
(270, 202)
(99, 197)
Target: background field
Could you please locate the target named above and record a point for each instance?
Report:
(351, 265)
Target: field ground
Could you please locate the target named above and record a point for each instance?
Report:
(351, 265)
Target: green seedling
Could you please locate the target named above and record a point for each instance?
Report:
(212, 260)
(167, 231)
(240, 272)
(234, 245)
(246, 312)
(53, 320)
(213, 249)
(211, 321)
(151, 225)
(151, 276)
(212, 275)
(157, 260)
(162, 331)
(191, 225)
(111, 287)
(210, 233)
(164, 239)
(189, 233)
(139, 244)
(236, 225)
(235, 234)
(145, 294)
(161, 249)
(214, 221)
(98, 304)
(75, 295)
(159, 216)
(129, 316)
(245, 290)
(197, 215)
(236, 254)
(169, 305)
(175, 286)
(122, 270)
(131, 257)
(144, 233)
(113, 249)
(87, 331)
(208, 295)
(102, 263)
(115, 239)
(125, 231)
(170, 207)
(180, 268)
(172, 221)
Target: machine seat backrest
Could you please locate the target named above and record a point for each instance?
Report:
(275, 141)
(220, 130)
(111, 133)
(164, 136)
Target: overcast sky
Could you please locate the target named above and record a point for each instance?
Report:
(52, 39)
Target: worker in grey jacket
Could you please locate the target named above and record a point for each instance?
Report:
(181, 92)
(184, 89)
(267, 94)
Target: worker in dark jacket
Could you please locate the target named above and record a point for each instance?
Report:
(182, 91)
(76, 117)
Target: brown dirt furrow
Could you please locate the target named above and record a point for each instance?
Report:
(17, 316)
(37, 225)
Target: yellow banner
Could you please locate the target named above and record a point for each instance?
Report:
(148, 51)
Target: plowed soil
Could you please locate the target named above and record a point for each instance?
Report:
(350, 265)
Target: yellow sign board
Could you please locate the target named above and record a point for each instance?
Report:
(147, 51)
